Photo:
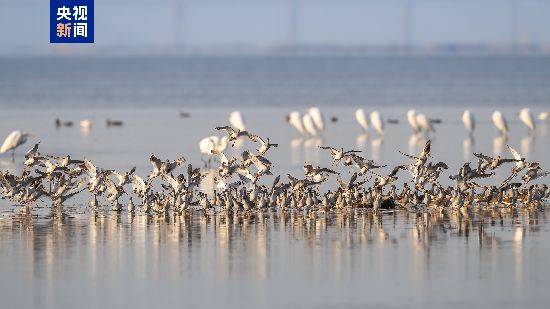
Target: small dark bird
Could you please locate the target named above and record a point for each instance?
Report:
(114, 123)
(59, 123)
(185, 115)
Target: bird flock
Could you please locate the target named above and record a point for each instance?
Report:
(245, 183)
(312, 122)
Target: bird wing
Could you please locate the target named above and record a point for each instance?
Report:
(229, 129)
(396, 170)
(483, 157)
(515, 153)
(92, 170)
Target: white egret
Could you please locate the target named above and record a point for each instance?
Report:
(14, 140)
(544, 116)
(411, 118)
(309, 125)
(361, 118)
(500, 122)
(527, 118)
(317, 117)
(377, 122)
(213, 144)
(424, 123)
(469, 121)
(86, 124)
(236, 120)
(295, 119)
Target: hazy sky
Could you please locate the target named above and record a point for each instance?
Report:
(24, 23)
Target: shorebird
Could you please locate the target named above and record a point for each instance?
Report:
(527, 118)
(469, 121)
(543, 116)
(424, 123)
(486, 162)
(364, 164)
(164, 167)
(382, 181)
(500, 122)
(338, 154)
(317, 173)
(411, 119)
(534, 173)
(14, 140)
(234, 134)
(361, 118)
(377, 122)
(317, 118)
(309, 125)
(265, 144)
(295, 119)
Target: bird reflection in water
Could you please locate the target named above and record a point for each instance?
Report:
(376, 146)
(416, 142)
(467, 145)
(361, 141)
(52, 234)
(305, 150)
(499, 142)
(527, 145)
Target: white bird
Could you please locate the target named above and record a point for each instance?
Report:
(377, 122)
(317, 117)
(424, 123)
(527, 118)
(86, 124)
(469, 121)
(544, 116)
(361, 118)
(295, 119)
(14, 140)
(213, 145)
(411, 118)
(237, 121)
(500, 122)
(309, 125)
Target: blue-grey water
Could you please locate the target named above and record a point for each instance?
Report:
(72, 257)
(275, 81)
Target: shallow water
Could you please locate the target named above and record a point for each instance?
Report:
(68, 258)
(493, 260)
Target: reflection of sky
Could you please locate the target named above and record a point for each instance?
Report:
(268, 23)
